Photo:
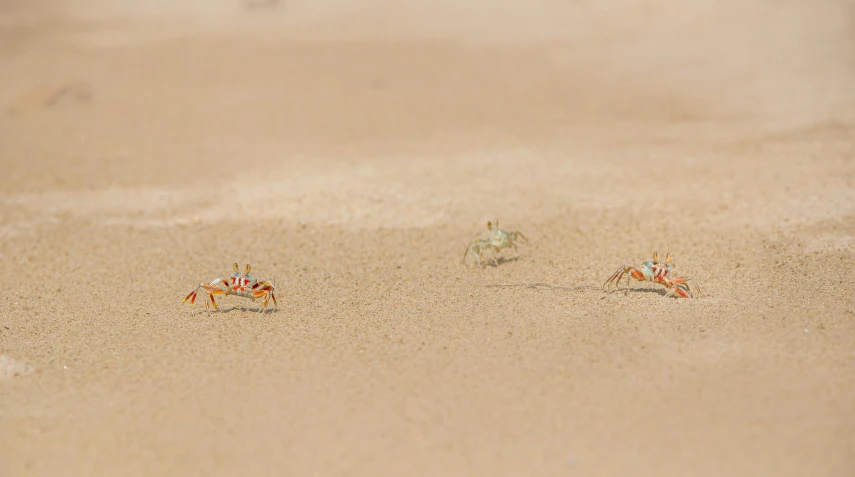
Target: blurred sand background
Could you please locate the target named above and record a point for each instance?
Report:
(350, 150)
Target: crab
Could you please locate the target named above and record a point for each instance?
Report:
(656, 272)
(238, 284)
(499, 239)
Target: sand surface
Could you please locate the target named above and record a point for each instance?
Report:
(350, 150)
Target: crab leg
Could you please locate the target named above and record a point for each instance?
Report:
(267, 297)
(680, 291)
(468, 252)
(476, 250)
(492, 254)
(633, 272)
(265, 289)
(215, 291)
(684, 281)
(210, 289)
(192, 296)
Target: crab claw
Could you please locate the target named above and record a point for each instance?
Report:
(191, 297)
(683, 282)
(679, 291)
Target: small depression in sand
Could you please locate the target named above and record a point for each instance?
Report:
(10, 368)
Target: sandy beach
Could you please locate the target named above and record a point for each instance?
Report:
(350, 151)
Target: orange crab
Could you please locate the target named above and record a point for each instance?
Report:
(240, 284)
(653, 271)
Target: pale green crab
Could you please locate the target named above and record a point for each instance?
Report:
(499, 239)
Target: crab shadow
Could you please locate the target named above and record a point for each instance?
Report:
(499, 261)
(541, 286)
(577, 289)
(233, 309)
(626, 291)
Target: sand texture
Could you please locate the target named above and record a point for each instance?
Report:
(349, 151)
